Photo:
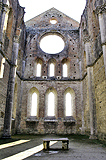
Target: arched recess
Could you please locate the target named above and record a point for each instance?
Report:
(51, 102)
(65, 67)
(33, 102)
(52, 67)
(69, 102)
(15, 102)
(38, 67)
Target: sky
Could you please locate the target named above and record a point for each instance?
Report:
(72, 8)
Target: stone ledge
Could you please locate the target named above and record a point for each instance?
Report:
(32, 119)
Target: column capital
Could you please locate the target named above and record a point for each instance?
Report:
(17, 36)
(101, 9)
(86, 39)
(6, 8)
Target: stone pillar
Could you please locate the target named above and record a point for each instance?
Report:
(92, 103)
(82, 104)
(101, 11)
(10, 88)
(91, 92)
(18, 113)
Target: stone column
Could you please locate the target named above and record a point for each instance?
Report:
(82, 104)
(92, 103)
(18, 113)
(10, 88)
(91, 92)
(101, 11)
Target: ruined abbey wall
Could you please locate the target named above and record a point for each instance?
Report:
(84, 54)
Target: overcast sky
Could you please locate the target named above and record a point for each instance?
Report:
(72, 8)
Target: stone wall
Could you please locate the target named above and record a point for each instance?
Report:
(100, 94)
(84, 54)
(42, 87)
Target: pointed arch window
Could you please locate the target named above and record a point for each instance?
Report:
(65, 67)
(51, 104)
(2, 68)
(33, 102)
(38, 70)
(51, 69)
(38, 67)
(68, 104)
(65, 70)
(34, 105)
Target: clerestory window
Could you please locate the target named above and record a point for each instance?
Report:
(51, 70)
(38, 70)
(65, 67)
(65, 70)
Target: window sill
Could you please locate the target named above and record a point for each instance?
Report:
(69, 119)
(32, 119)
(50, 119)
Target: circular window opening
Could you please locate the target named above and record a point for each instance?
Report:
(52, 44)
(53, 21)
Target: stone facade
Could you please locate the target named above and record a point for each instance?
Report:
(84, 54)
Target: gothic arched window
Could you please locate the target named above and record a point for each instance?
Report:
(38, 70)
(33, 102)
(65, 67)
(51, 67)
(65, 70)
(38, 67)
(68, 104)
(51, 70)
(51, 104)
